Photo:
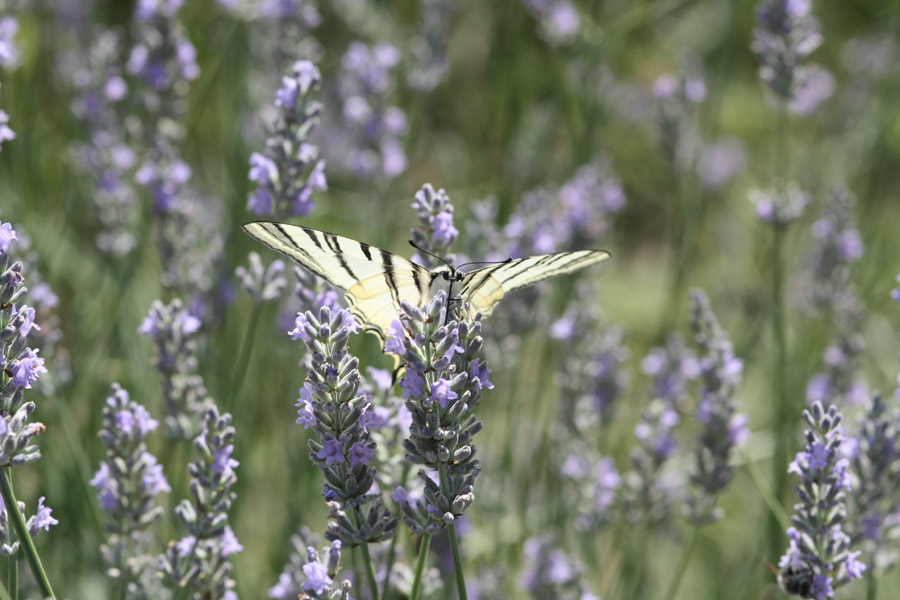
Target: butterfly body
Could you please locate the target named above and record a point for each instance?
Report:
(375, 282)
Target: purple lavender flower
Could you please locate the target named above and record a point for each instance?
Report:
(551, 573)
(439, 358)
(558, 20)
(9, 51)
(435, 232)
(428, 47)
(6, 134)
(127, 484)
(173, 329)
(819, 548)
(721, 161)
(838, 244)
(262, 283)
(874, 458)
(786, 35)
(780, 208)
(344, 448)
(722, 428)
(677, 98)
(200, 562)
(290, 171)
(367, 141)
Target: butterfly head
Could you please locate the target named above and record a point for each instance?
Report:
(449, 273)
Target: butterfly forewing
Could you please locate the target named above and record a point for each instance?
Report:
(374, 280)
(483, 288)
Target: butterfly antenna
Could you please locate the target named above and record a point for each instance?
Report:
(487, 262)
(431, 254)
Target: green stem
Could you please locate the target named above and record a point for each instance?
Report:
(392, 549)
(370, 571)
(246, 348)
(12, 509)
(421, 561)
(457, 563)
(682, 564)
(13, 580)
(785, 417)
(872, 580)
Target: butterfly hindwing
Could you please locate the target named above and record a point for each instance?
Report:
(374, 280)
(483, 288)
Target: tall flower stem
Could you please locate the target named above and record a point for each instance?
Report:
(421, 561)
(682, 564)
(370, 569)
(13, 571)
(392, 549)
(240, 371)
(12, 508)
(454, 540)
(785, 410)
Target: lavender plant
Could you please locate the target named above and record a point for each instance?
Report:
(551, 573)
(819, 558)
(290, 170)
(106, 155)
(366, 140)
(435, 232)
(786, 35)
(330, 404)
(199, 564)
(128, 483)
(172, 328)
(20, 367)
(558, 20)
(9, 59)
(428, 46)
(443, 385)
(722, 427)
(677, 100)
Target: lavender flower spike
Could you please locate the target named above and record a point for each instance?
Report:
(819, 559)
(127, 484)
(785, 35)
(172, 328)
(435, 232)
(262, 283)
(330, 403)
(199, 561)
(723, 429)
(290, 170)
(442, 390)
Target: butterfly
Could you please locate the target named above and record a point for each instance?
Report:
(375, 281)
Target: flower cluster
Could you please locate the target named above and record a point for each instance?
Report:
(106, 156)
(874, 455)
(838, 245)
(429, 45)
(551, 573)
(164, 60)
(127, 484)
(41, 520)
(319, 573)
(290, 170)
(786, 34)
(199, 561)
(331, 405)
(367, 141)
(262, 283)
(591, 379)
(573, 216)
(722, 427)
(435, 232)
(677, 98)
(443, 385)
(172, 328)
(780, 208)
(21, 366)
(9, 58)
(558, 20)
(819, 559)
(840, 382)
